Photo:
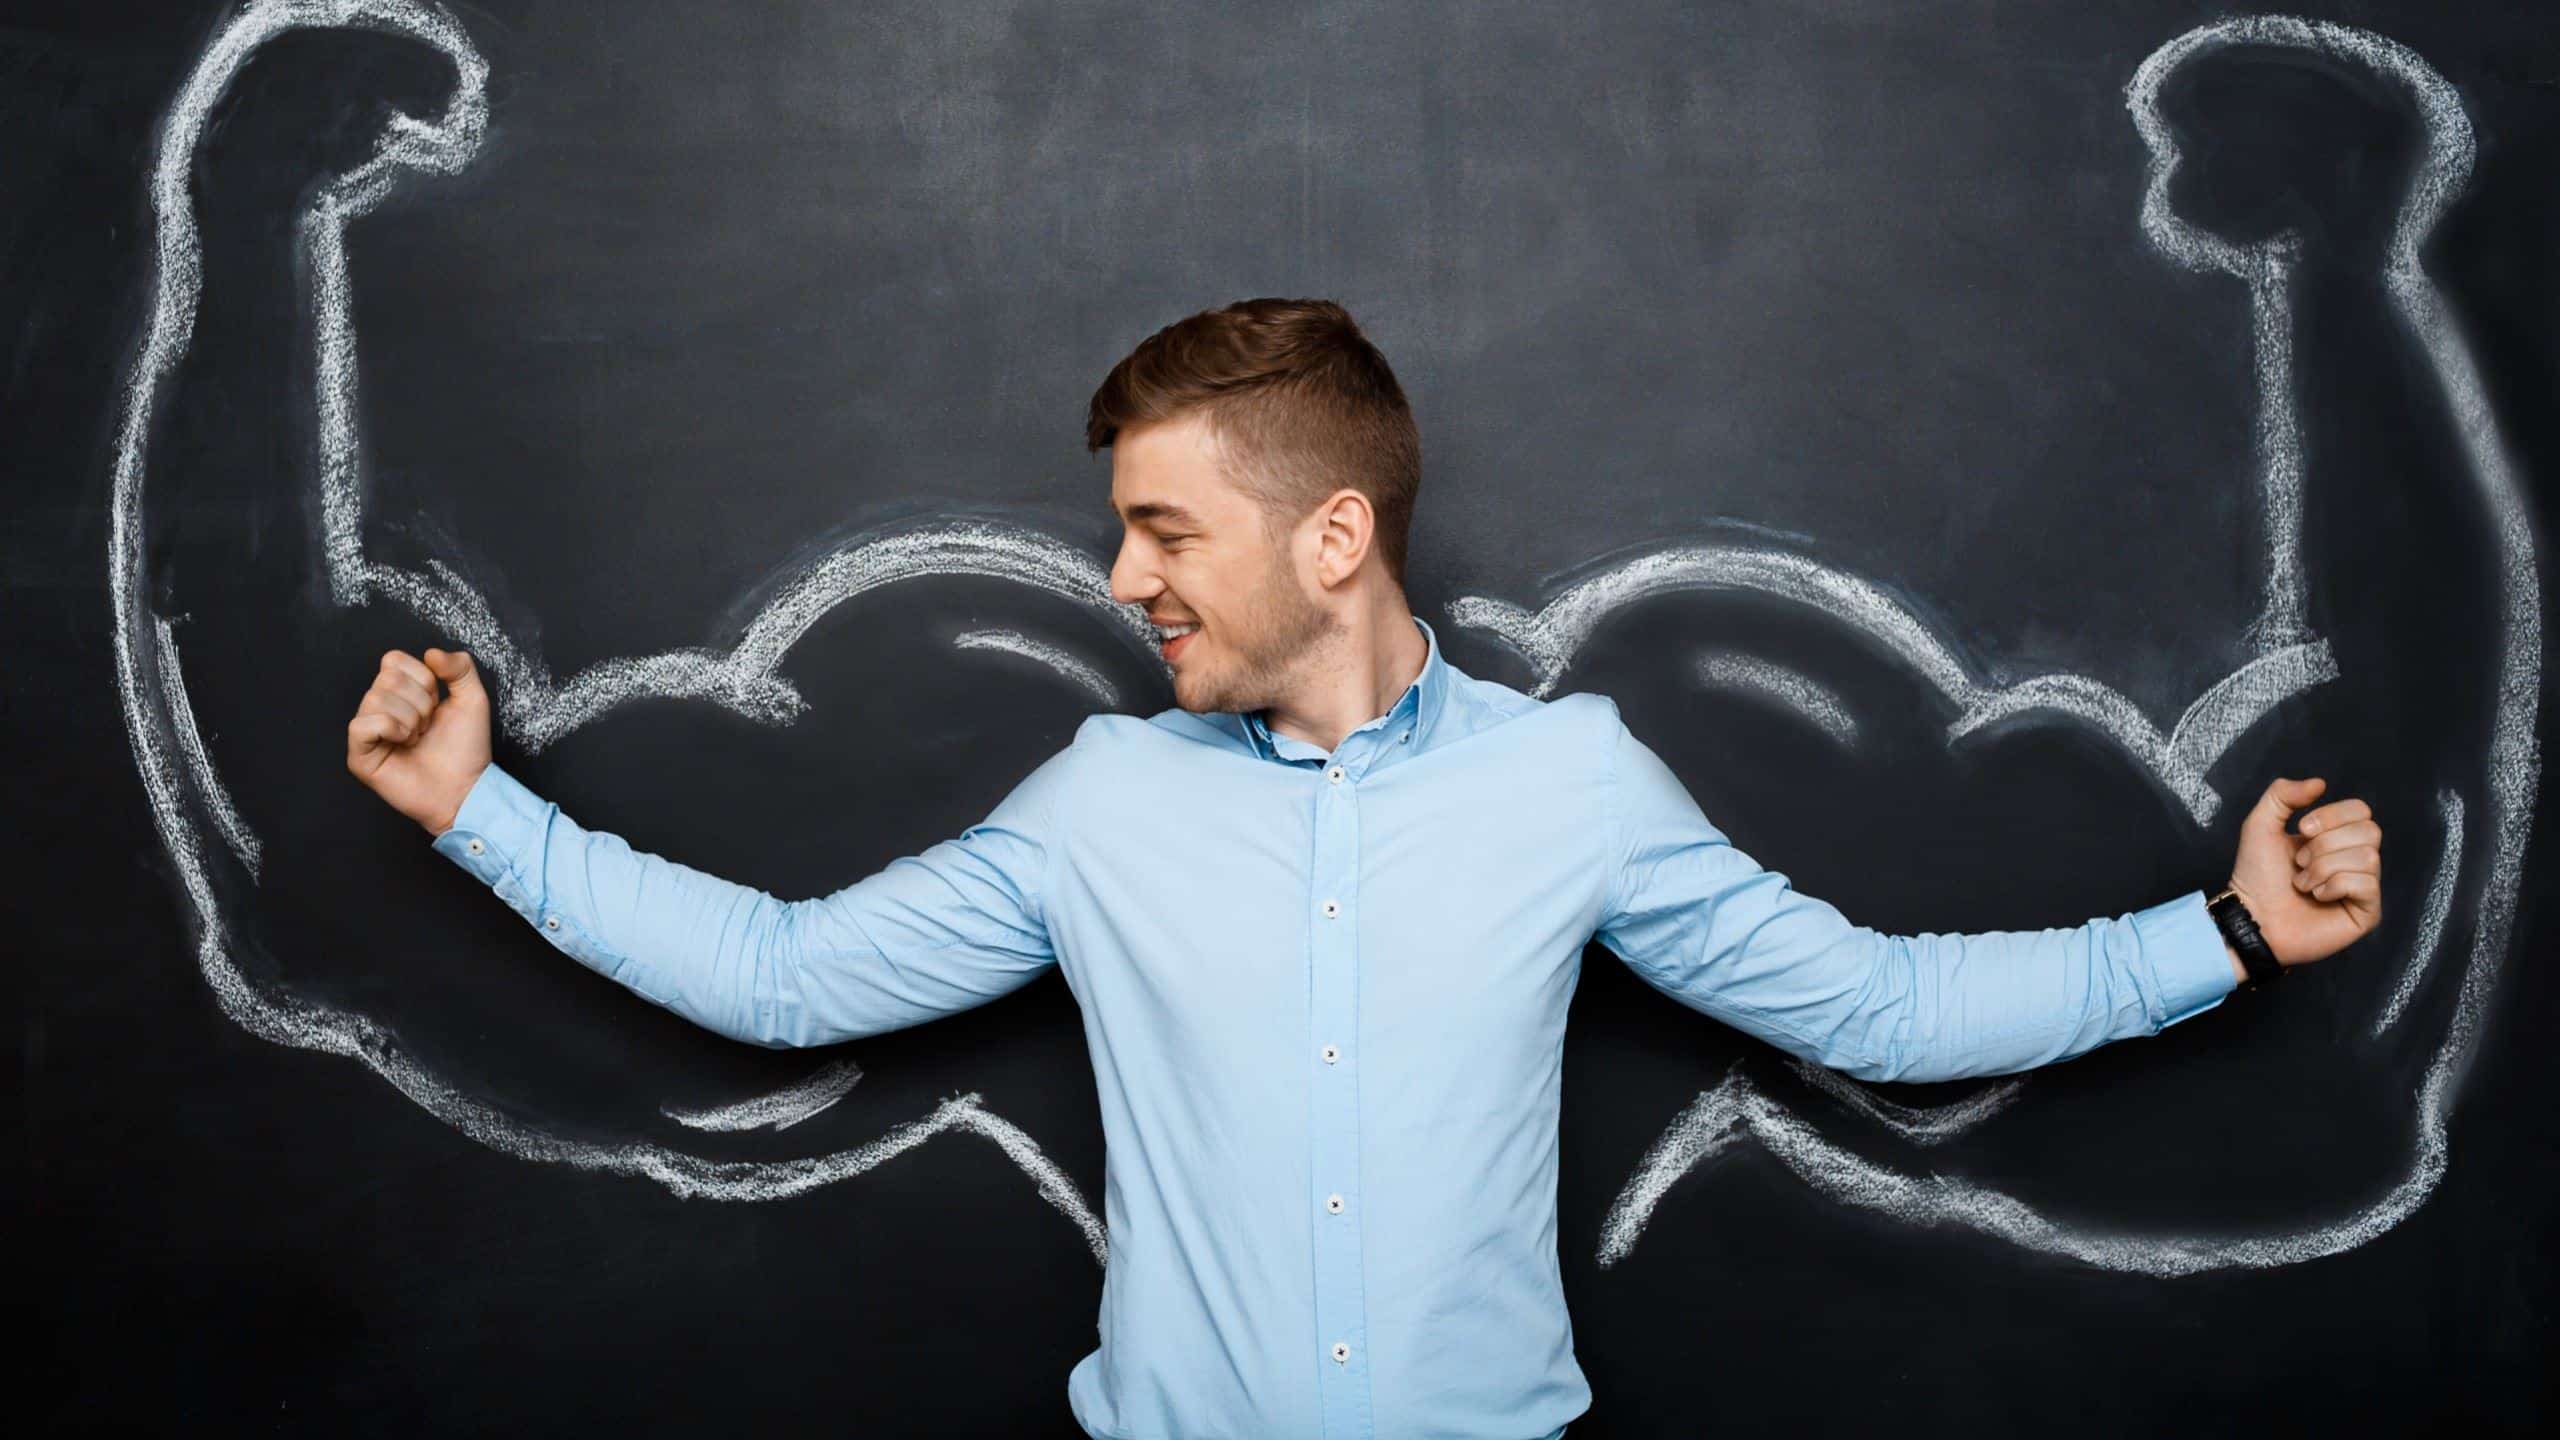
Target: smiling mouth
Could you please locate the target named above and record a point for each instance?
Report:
(1173, 640)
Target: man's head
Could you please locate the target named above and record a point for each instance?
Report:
(1264, 467)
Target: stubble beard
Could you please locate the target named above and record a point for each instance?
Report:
(1285, 629)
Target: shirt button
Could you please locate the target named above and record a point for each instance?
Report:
(473, 845)
(1331, 1054)
(1331, 909)
(1333, 1203)
(1404, 737)
(550, 922)
(1341, 1352)
(1334, 774)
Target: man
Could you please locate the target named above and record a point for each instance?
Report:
(1324, 918)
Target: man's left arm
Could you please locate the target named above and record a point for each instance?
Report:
(1700, 920)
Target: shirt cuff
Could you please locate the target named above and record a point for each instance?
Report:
(2189, 966)
(498, 821)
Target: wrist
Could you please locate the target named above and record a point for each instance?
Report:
(446, 817)
(2241, 939)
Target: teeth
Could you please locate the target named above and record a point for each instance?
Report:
(1171, 632)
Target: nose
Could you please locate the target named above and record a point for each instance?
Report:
(1133, 581)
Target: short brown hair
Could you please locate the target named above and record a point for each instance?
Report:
(1298, 398)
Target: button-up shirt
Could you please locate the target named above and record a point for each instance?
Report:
(1324, 993)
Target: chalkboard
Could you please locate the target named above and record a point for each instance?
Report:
(1978, 446)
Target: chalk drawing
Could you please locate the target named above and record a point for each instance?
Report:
(1073, 667)
(1550, 638)
(1787, 687)
(1921, 1125)
(2431, 915)
(209, 787)
(531, 708)
(169, 752)
(535, 711)
(779, 1110)
(2289, 660)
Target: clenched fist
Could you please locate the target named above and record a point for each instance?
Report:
(2315, 895)
(416, 750)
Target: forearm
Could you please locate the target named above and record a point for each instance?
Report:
(926, 935)
(716, 952)
(2002, 1001)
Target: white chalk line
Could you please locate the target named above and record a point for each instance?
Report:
(1784, 685)
(1921, 1125)
(168, 749)
(1071, 666)
(2178, 762)
(1736, 1108)
(537, 713)
(235, 832)
(533, 710)
(777, 1110)
(2432, 914)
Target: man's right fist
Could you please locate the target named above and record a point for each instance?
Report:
(417, 751)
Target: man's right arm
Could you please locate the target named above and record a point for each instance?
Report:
(928, 935)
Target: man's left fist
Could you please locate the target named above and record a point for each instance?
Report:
(2315, 895)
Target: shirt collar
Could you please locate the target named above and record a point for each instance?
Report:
(1404, 730)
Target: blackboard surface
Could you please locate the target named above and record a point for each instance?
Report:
(1977, 445)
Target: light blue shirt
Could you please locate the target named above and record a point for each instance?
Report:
(1325, 997)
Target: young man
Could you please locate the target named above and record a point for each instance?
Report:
(1324, 918)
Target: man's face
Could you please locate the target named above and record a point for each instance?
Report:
(1195, 551)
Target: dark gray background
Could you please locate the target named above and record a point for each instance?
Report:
(727, 285)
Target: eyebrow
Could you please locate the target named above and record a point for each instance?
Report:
(1160, 510)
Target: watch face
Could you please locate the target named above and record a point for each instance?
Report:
(1786, 577)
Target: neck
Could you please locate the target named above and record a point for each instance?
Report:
(1368, 664)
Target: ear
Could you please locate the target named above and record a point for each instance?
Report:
(1346, 531)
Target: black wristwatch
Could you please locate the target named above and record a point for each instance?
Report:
(2241, 929)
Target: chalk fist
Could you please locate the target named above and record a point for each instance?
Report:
(417, 751)
(2318, 893)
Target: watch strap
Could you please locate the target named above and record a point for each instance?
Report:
(2231, 916)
